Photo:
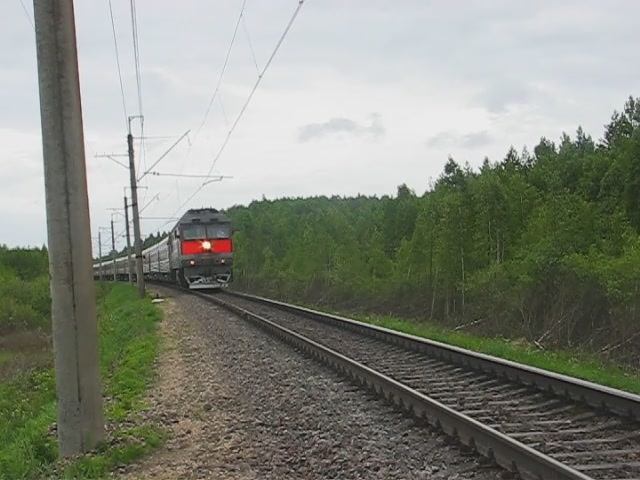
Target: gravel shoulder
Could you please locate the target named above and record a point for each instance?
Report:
(238, 404)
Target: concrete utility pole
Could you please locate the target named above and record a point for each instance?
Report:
(136, 217)
(113, 250)
(100, 255)
(75, 334)
(126, 221)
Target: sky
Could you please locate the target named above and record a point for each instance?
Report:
(362, 96)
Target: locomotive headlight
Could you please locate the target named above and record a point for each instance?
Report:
(206, 245)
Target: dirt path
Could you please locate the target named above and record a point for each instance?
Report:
(194, 449)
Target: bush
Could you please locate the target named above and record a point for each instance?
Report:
(25, 302)
(128, 348)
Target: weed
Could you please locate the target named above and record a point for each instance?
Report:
(575, 364)
(128, 347)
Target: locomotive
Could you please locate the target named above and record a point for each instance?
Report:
(197, 253)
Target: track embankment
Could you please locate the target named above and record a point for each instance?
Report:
(239, 404)
(542, 425)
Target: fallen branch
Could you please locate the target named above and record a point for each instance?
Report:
(609, 348)
(538, 344)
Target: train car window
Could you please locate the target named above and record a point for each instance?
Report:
(219, 231)
(194, 232)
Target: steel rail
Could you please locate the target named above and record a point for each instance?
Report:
(597, 396)
(507, 452)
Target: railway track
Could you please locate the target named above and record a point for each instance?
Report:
(541, 425)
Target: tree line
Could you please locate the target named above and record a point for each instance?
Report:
(542, 245)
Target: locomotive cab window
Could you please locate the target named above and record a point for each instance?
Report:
(194, 232)
(198, 232)
(219, 231)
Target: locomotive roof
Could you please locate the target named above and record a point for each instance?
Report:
(203, 215)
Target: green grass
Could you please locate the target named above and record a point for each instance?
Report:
(128, 347)
(27, 409)
(4, 357)
(129, 445)
(575, 364)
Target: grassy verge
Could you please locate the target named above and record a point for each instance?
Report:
(128, 347)
(575, 364)
(4, 357)
(27, 410)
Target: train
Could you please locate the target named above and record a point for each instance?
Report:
(197, 254)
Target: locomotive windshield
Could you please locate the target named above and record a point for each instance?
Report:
(220, 230)
(216, 230)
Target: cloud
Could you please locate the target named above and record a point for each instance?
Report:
(476, 139)
(499, 96)
(465, 140)
(520, 70)
(340, 126)
(441, 139)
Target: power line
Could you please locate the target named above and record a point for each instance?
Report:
(197, 190)
(218, 84)
(164, 155)
(157, 137)
(155, 197)
(248, 100)
(256, 85)
(136, 58)
(222, 72)
(189, 175)
(136, 55)
(115, 44)
(253, 53)
(26, 12)
(111, 156)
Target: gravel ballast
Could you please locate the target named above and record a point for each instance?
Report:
(239, 404)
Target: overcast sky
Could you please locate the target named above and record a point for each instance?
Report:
(363, 95)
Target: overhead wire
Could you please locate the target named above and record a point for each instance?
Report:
(115, 45)
(222, 71)
(27, 14)
(160, 137)
(142, 162)
(136, 55)
(149, 170)
(256, 85)
(253, 53)
(136, 61)
(247, 101)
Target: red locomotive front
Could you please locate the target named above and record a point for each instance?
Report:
(203, 238)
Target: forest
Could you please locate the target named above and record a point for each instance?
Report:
(542, 246)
